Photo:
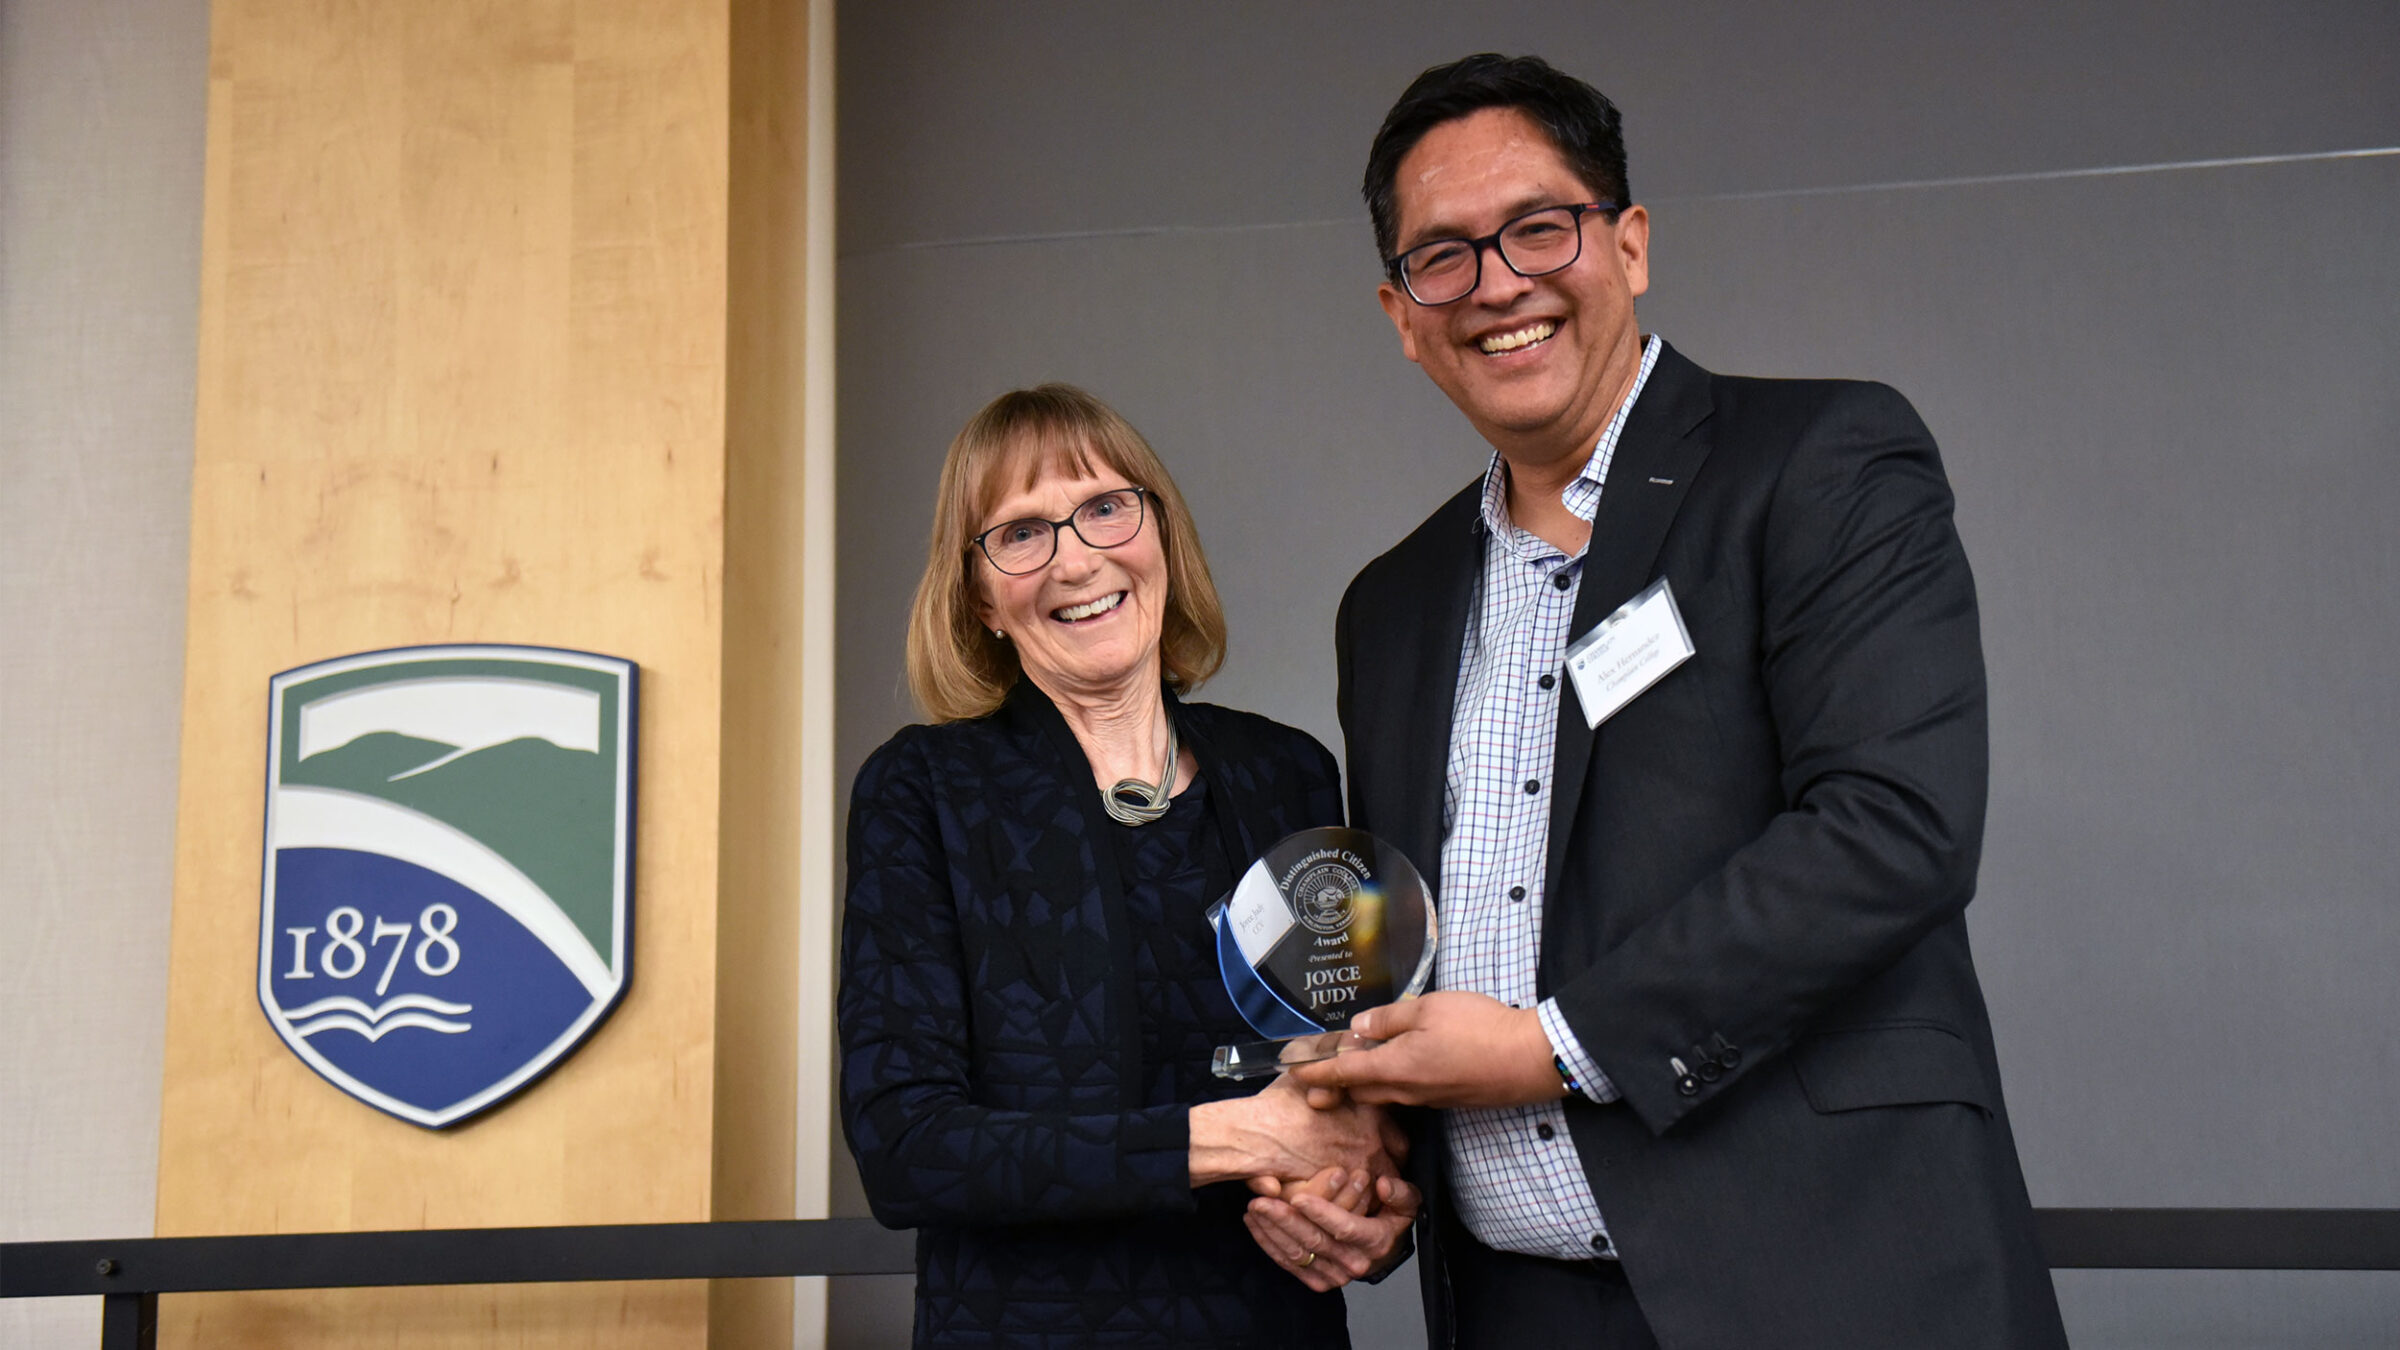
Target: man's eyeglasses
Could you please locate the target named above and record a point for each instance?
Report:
(1106, 521)
(1534, 244)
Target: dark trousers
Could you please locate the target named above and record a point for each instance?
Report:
(1509, 1302)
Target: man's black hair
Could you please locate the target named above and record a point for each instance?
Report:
(1580, 121)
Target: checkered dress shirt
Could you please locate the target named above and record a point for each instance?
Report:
(1514, 1171)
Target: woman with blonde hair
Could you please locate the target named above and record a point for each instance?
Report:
(1030, 995)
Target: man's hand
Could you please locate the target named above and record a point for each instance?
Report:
(1332, 1184)
(1445, 1049)
(1325, 1242)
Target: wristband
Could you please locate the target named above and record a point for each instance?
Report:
(1566, 1075)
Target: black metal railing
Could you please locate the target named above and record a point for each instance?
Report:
(131, 1273)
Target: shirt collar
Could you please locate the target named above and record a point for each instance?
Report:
(1583, 495)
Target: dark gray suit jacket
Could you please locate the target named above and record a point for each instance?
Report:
(1757, 872)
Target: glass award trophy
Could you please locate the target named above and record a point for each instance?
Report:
(1329, 923)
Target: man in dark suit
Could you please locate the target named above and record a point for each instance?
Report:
(1712, 1065)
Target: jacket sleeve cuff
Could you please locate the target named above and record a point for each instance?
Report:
(1593, 1079)
(1155, 1149)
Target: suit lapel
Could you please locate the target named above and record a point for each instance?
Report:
(1443, 585)
(1658, 454)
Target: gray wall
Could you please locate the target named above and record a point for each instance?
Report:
(2166, 398)
(101, 114)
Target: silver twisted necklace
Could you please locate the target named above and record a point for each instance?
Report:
(1134, 802)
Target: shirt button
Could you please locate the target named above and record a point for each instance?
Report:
(1549, 681)
(1544, 1130)
(1516, 892)
(1561, 580)
(1532, 786)
(1600, 1243)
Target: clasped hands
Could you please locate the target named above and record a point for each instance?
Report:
(1330, 1224)
(1330, 1204)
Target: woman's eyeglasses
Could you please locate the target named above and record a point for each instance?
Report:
(1106, 521)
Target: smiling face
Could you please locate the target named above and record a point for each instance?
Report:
(1538, 364)
(1086, 627)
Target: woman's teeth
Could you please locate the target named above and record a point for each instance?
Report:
(1523, 337)
(1078, 613)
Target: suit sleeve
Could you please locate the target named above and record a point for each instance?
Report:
(929, 1153)
(1872, 665)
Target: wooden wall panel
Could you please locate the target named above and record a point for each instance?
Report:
(774, 766)
(464, 377)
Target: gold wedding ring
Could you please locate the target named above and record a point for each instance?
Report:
(1306, 1261)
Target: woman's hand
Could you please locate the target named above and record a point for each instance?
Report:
(1275, 1133)
(1329, 1183)
(1325, 1242)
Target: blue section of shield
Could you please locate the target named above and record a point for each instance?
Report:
(428, 1039)
(1267, 1014)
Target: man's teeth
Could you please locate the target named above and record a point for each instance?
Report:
(1523, 337)
(1104, 604)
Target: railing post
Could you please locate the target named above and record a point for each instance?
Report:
(129, 1322)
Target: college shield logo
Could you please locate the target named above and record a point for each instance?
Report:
(447, 901)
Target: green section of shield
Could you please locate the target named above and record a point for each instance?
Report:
(552, 812)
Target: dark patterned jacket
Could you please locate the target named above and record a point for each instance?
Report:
(992, 1084)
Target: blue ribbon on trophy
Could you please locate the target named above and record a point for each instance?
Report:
(1328, 923)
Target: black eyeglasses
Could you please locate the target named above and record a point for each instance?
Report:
(1106, 521)
(1535, 244)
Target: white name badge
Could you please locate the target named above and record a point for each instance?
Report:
(1628, 651)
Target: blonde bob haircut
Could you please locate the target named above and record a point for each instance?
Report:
(956, 668)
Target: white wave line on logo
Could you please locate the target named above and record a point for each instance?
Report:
(346, 1022)
(345, 1003)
